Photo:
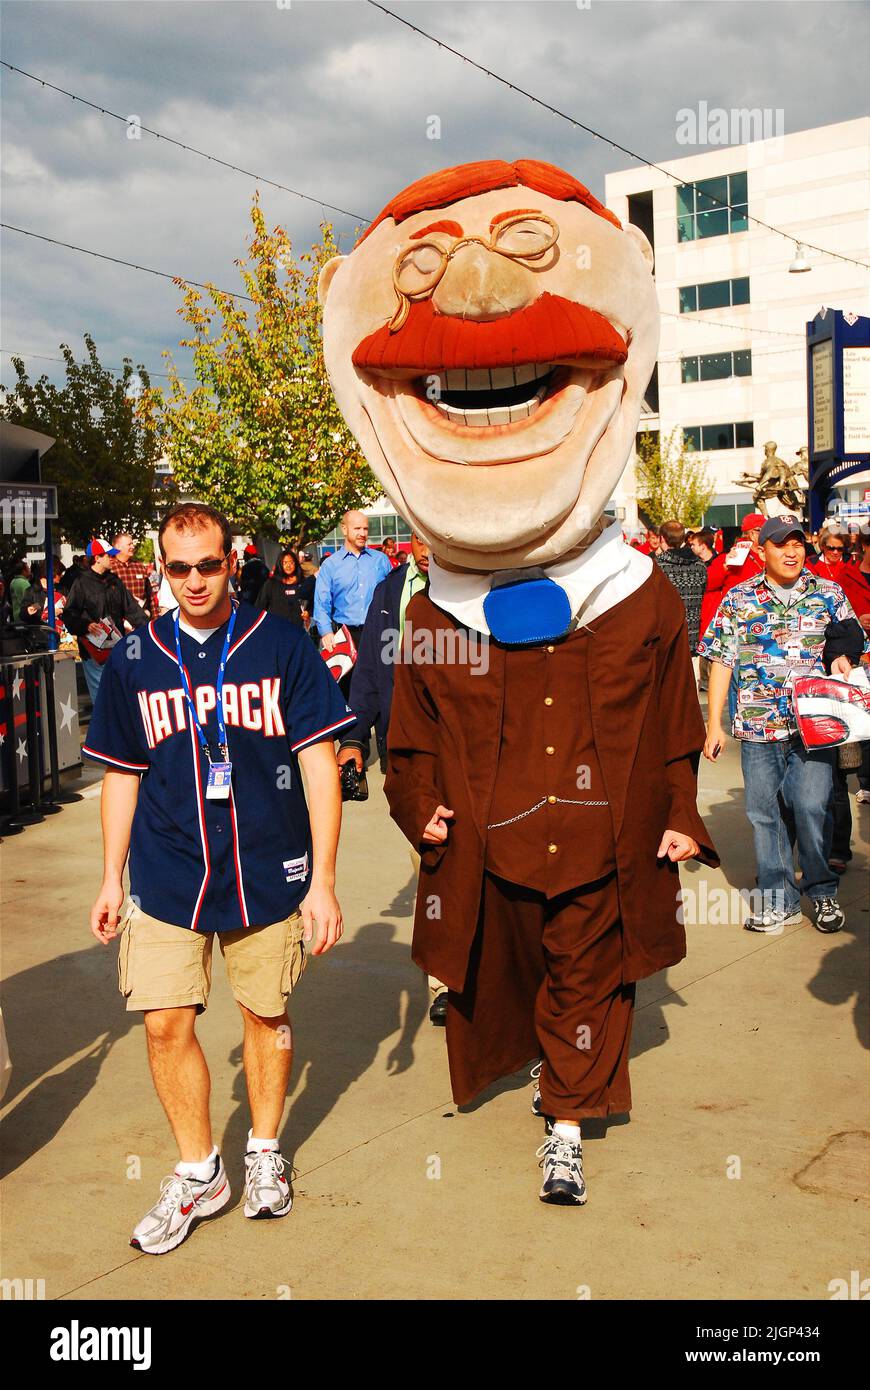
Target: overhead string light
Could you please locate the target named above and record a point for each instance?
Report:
(116, 260)
(191, 149)
(115, 371)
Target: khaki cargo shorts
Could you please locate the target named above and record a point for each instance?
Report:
(161, 966)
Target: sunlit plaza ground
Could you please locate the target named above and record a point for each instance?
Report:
(740, 1174)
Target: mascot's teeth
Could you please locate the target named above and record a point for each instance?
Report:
(494, 415)
(492, 378)
(492, 397)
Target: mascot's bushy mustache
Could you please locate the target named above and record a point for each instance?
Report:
(549, 329)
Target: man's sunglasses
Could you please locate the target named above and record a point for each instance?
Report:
(180, 569)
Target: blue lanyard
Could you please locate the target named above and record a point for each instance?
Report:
(219, 689)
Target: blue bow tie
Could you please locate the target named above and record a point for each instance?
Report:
(524, 607)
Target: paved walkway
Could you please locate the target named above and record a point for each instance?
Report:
(740, 1175)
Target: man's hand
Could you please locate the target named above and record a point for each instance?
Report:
(327, 641)
(436, 831)
(351, 755)
(677, 846)
(95, 629)
(864, 620)
(104, 913)
(320, 905)
(842, 666)
(714, 743)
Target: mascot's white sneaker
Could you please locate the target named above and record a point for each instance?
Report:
(562, 1162)
(267, 1191)
(183, 1201)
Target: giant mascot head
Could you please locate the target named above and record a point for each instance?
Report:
(489, 340)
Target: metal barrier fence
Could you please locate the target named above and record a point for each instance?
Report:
(29, 741)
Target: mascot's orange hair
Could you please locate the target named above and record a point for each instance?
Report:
(467, 180)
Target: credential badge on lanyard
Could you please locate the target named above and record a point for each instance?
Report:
(220, 770)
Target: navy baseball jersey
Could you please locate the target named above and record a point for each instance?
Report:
(217, 865)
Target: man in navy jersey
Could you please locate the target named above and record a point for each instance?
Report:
(213, 708)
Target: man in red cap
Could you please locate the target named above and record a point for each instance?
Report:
(98, 611)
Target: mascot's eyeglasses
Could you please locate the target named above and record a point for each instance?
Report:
(420, 265)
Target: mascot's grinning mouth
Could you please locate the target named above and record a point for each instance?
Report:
(500, 390)
(491, 395)
(482, 425)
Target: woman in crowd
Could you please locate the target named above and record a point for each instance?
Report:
(833, 547)
(287, 592)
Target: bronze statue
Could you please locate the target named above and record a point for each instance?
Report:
(777, 482)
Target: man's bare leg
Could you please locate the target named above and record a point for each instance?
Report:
(268, 1056)
(181, 1078)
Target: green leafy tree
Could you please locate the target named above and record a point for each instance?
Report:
(672, 482)
(102, 461)
(260, 434)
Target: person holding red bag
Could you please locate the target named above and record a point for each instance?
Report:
(98, 607)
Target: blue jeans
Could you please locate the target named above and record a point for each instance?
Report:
(789, 798)
(93, 673)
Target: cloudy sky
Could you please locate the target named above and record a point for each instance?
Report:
(333, 98)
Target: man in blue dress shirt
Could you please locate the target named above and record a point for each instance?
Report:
(347, 580)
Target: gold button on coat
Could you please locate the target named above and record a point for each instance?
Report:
(548, 699)
(549, 749)
(552, 848)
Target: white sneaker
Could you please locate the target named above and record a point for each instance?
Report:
(183, 1201)
(267, 1191)
(773, 922)
(562, 1162)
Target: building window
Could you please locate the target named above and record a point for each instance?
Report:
(716, 366)
(727, 514)
(710, 437)
(743, 362)
(714, 294)
(703, 208)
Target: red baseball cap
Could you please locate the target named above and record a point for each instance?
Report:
(753, 522)
(250, 550)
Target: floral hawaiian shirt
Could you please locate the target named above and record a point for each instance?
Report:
(768, 643)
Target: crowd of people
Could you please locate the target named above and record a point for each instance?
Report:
(777, 605)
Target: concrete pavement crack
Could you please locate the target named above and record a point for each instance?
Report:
(102, 1275)
(371, 1139)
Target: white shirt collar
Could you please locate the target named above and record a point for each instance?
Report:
(594, 580)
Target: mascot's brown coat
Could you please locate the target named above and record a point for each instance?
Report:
(444, 746)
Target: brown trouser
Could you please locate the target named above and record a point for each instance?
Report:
(545, 979)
